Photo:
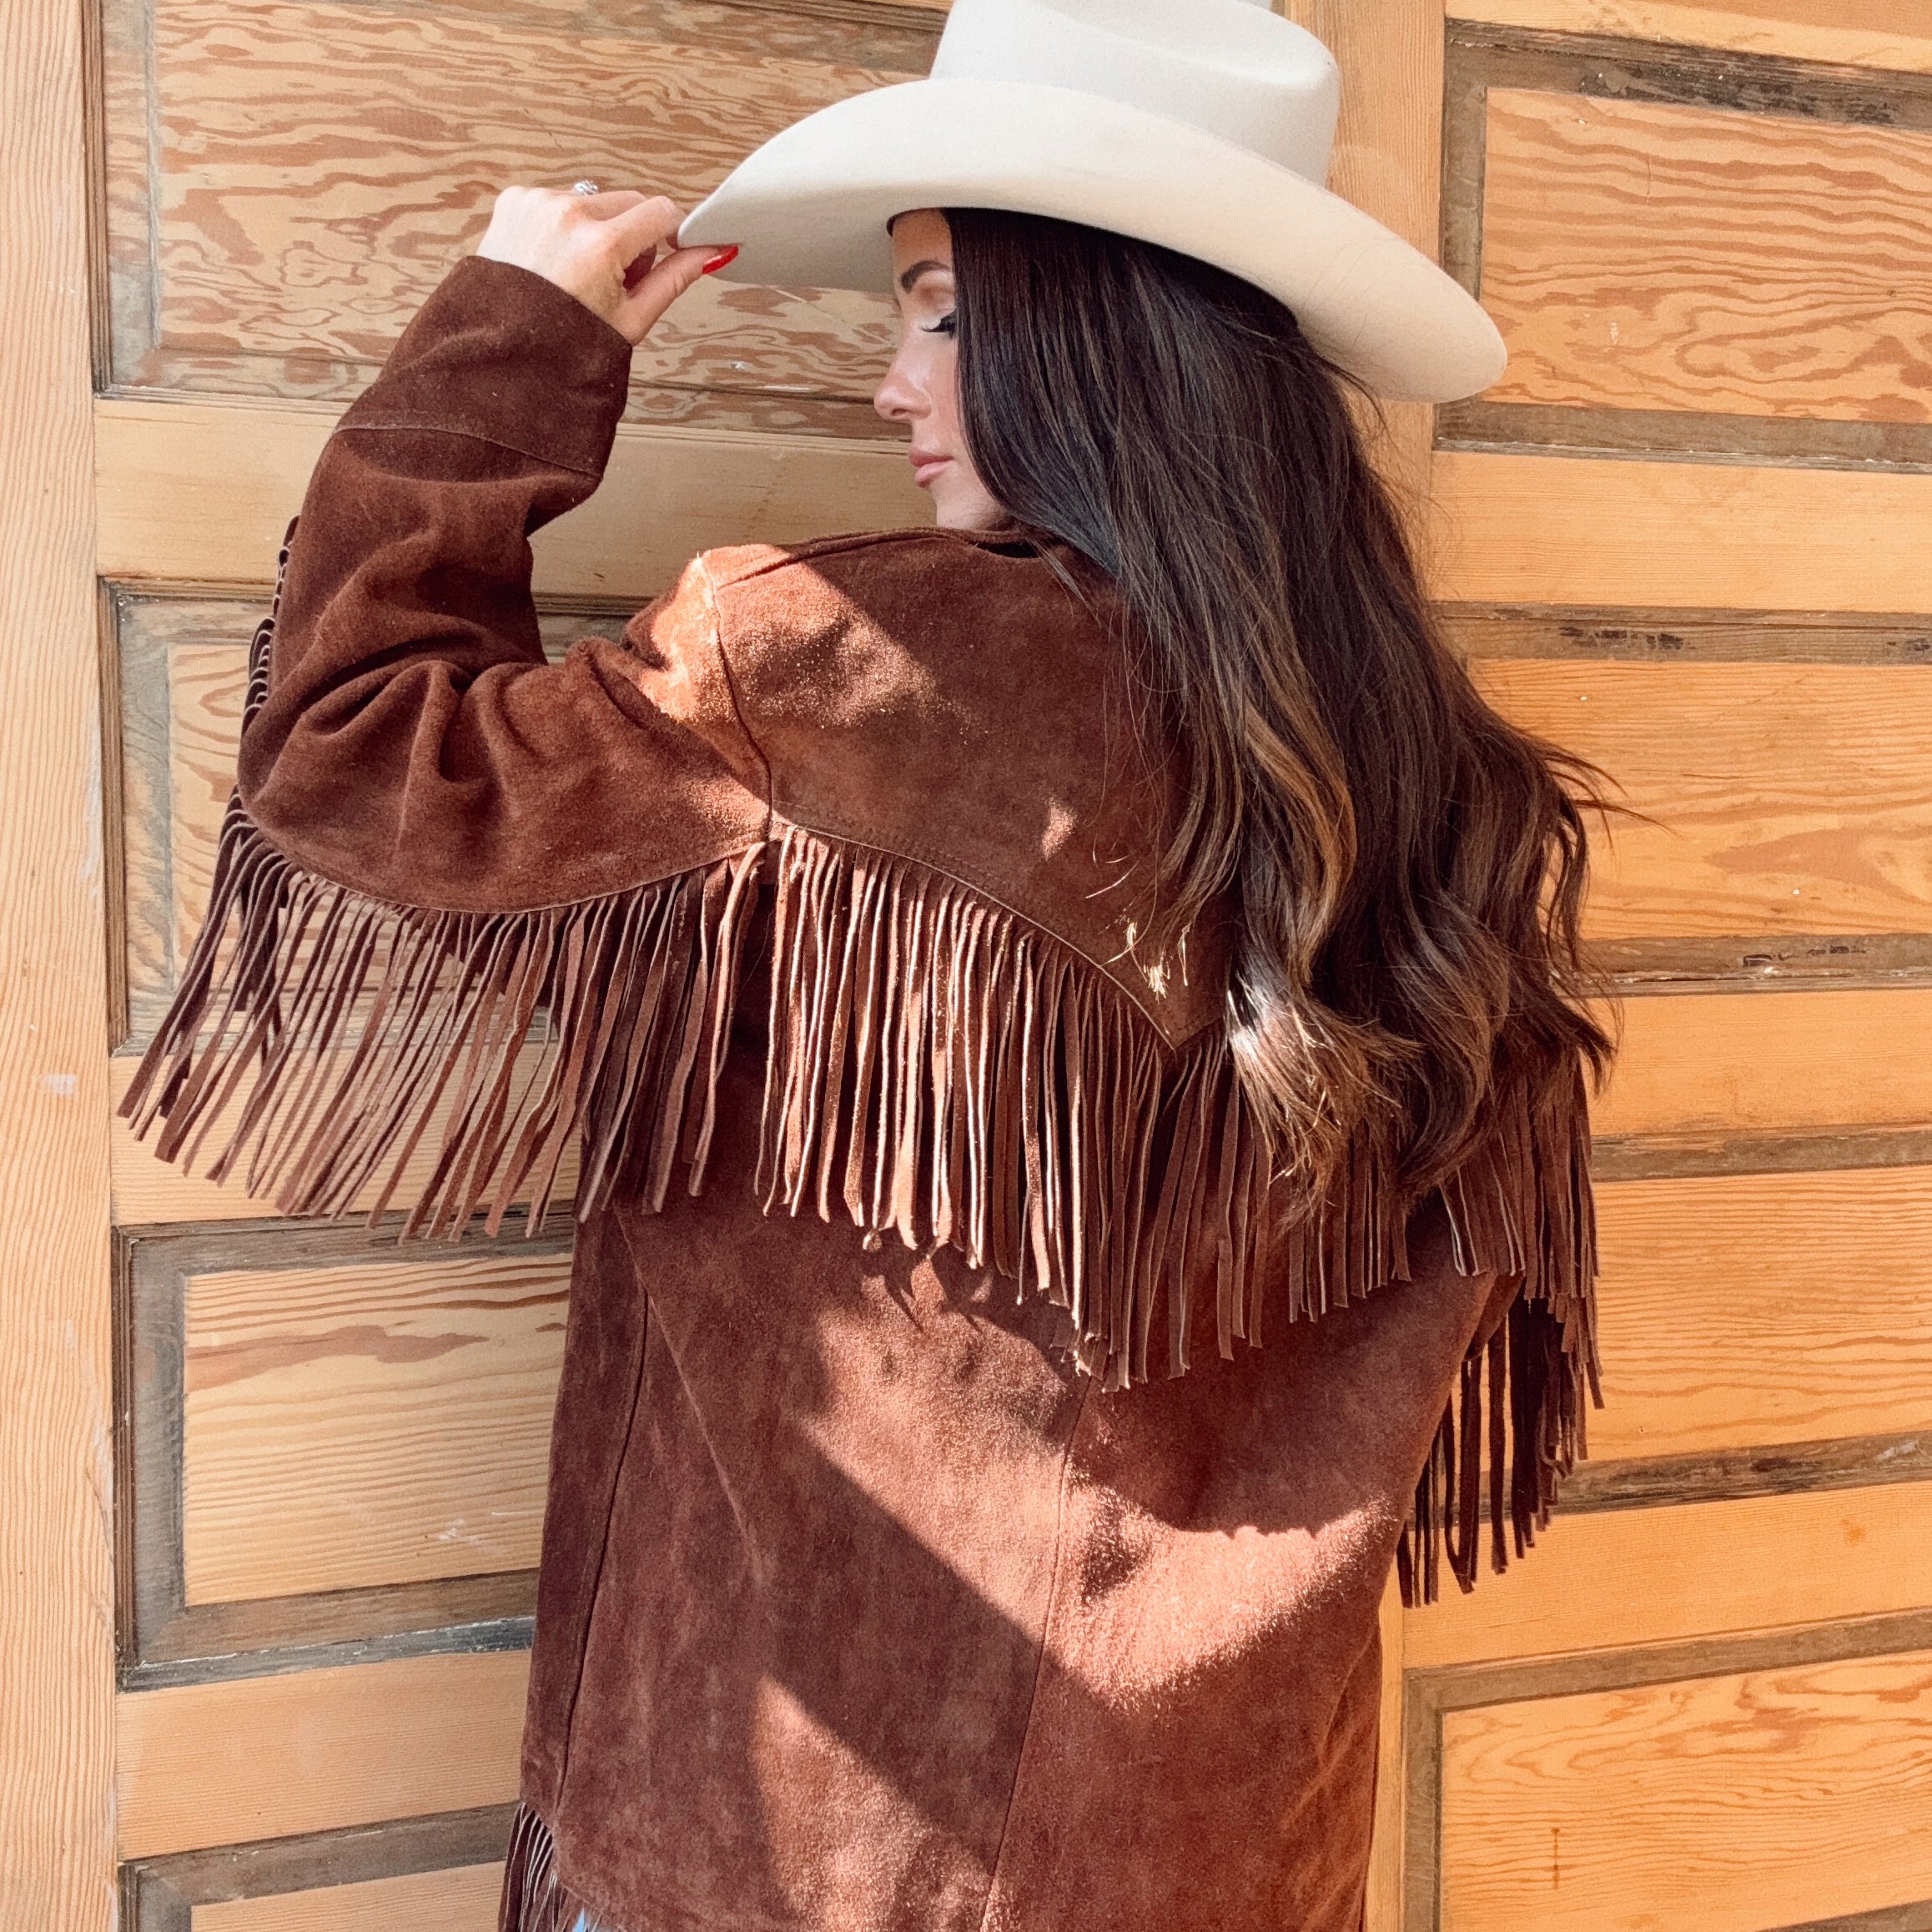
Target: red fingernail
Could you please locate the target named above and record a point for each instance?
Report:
(720, 259)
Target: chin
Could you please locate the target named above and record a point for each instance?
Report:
(971, 512)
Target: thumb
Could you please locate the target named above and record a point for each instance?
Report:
(669, 278)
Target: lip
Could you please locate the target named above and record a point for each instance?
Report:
(926, 464)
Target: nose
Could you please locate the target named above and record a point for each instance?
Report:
(898, 399)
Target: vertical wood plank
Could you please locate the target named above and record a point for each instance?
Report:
(56, 1382)
(1388, 161)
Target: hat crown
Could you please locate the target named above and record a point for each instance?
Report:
(1227, 67)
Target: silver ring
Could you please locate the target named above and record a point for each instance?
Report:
(584, 188)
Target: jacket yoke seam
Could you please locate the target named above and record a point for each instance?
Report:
(994, 895)
(341, 877)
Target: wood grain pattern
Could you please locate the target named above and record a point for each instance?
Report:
(1833, 1463)
(1872, 33)
(1788, 798)
(1529, 530)
(255, 1758)
(206, 686)
(169, 1633)
(463, 1900)
(190, 491)
(1771, 1063)
(1616, 1579)
(1639, 256)
(1730, 1803)
(1750, 1310)
(289, 182)
(351, 1425)
(56, 1353)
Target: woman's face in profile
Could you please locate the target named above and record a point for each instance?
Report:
(922, 388)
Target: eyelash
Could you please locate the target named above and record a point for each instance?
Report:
(946, 325)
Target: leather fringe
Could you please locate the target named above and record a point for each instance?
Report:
(534, 1899)
(1533, 1174)
(940, 1066)
(358, 1020)
(936, 1066)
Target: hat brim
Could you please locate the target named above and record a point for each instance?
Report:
(810, 208)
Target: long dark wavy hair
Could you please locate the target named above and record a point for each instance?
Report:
(1406, 869)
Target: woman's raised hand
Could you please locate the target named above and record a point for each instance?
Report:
(609, 250)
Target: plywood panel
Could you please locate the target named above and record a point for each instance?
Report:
(1874, 33)
(462, 1900)
(1532, 529)
(1790, 798)
(1772, 1063)
(1771, 1797)
(1749, 1310)
(359, 1424)
(1645, 256)
(289, 182)
(1605, 1579)
(193, 492)
(254, 1757)
(206, 687)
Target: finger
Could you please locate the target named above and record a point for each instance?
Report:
(644, 306)
(635, 230)
(606, 202)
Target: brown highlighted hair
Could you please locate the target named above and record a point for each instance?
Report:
(1406, 869)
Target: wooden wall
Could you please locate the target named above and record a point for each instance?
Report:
(1682, 536)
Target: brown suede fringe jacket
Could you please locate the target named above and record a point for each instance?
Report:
(893, 1577)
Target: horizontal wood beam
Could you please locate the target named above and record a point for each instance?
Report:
(1873, 33)
(1617, 1579)
(1554, 529)
(269, 1757)
(191, 492)
(203, 492)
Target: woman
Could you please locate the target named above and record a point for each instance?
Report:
(992, 974)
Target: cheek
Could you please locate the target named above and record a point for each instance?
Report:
(943, 386)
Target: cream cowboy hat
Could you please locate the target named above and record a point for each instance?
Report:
(1203, 125)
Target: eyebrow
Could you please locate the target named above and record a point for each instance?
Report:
(912, 274)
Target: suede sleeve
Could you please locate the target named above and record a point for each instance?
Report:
(412, 742)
